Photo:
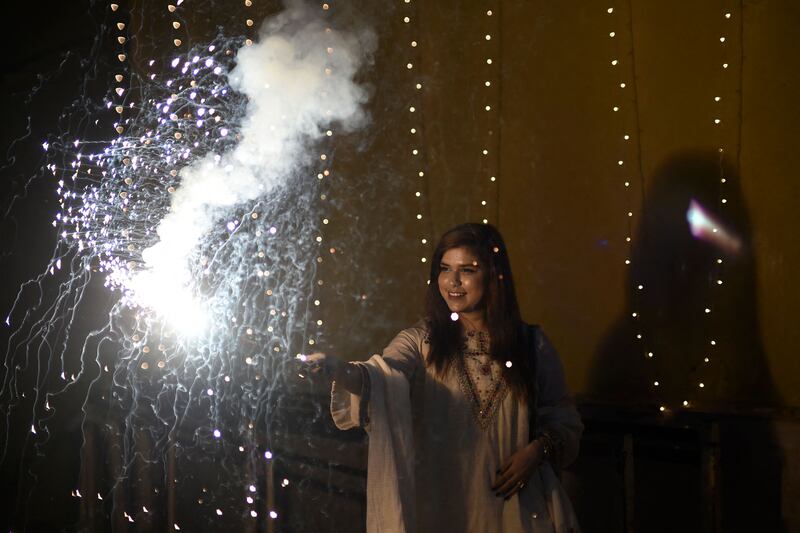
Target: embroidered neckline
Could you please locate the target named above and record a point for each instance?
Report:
(483, 412)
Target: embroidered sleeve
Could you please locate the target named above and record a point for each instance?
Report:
(558, 421)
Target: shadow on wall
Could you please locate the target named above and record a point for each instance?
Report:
(676, 260)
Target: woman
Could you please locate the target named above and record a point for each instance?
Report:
(454, 445)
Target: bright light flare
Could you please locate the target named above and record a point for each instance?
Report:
(171, 300)
(705, 227)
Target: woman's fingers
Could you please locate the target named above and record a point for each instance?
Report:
(504, 476)
(514, 489)
(506, 465)
(510, 479)
(508, 488)
(314, 362)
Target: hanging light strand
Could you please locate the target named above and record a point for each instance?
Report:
(629, 169)
(490, 90)
(415, 126)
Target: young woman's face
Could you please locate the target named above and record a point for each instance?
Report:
(461, 280)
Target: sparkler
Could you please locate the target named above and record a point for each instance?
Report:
(200, 218)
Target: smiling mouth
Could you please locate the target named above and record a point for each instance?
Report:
(456, 294)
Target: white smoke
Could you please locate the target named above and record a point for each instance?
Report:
(298, 78)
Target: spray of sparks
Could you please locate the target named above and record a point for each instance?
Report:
(200, 219)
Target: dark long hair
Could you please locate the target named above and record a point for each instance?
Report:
(509, 335)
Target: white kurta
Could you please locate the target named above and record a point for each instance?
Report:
(435, 444)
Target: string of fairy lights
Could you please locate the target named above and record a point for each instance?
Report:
(415, 125)
(323, 176)
(623, 160)
(628, 164)
(716, 279)
(119, 78)
(490, 109)
(489, 113)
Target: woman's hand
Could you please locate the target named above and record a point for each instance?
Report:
(513, 475)
(342, 372)
(321, 362)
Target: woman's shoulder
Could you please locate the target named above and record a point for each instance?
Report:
(532, 331)
(419, 331)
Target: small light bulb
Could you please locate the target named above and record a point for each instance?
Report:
(454, 316)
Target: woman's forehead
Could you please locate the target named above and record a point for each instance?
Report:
(460, 256)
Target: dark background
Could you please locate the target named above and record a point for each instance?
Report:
(552, 142)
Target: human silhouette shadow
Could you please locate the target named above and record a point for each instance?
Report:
(678, 274)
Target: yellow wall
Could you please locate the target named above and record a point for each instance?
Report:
(553, 142)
